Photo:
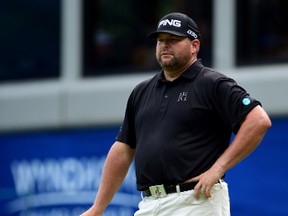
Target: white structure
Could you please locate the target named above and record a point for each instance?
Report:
(73, 101)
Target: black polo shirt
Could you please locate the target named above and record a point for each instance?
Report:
(180, 128)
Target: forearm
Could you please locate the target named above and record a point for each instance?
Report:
(116, 167)
(247, 139)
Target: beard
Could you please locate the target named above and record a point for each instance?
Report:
(168, 64)
(175, 62)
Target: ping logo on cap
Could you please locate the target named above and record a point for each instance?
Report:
(172, 22)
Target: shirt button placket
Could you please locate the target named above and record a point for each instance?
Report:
(164, 102)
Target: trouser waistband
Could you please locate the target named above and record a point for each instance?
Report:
(163, 190)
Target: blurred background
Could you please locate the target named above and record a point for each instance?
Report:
(67, 68)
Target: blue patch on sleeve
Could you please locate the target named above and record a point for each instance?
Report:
(246, 101)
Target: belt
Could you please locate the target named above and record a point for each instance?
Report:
(158, 191)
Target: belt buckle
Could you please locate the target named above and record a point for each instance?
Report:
(158, 191)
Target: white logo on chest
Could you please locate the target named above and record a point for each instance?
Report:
(182, 97)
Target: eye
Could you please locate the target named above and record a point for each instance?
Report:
(168, 40)
(174, 39)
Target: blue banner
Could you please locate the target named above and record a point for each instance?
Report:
(58, 173)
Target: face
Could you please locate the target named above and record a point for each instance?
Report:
(174, 52)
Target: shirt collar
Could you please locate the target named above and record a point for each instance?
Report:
(191, 73)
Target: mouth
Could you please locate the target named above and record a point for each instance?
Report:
(166, 54)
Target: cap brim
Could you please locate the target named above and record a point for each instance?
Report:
(154, 34)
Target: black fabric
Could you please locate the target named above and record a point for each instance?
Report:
(180, 128)
(177, 24)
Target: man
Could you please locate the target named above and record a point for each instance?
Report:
(177, 127)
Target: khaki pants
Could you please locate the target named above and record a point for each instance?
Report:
(184, 204)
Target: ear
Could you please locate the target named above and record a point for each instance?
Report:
(195, 45)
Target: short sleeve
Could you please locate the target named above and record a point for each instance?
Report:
(126, 133)
(232, 102)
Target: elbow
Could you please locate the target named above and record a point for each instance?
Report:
(268, 123)
(262, 118)
(265, 122)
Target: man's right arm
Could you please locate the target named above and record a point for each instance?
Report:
(116, 167)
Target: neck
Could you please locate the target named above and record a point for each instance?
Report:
(171, 75)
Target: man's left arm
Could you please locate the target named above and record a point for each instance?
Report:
(248, 137)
